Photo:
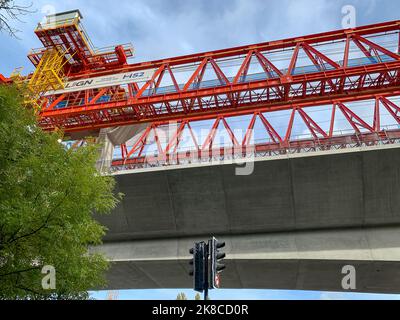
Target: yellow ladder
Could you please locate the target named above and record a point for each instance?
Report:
(48, 76)
(29, 99)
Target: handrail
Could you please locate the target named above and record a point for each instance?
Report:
(56, 23)
(111, 49)
(256, 151)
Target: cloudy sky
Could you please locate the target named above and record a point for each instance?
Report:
(164, 28)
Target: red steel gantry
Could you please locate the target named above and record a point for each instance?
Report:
(102, 90)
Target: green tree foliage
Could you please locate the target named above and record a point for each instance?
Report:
(47, 199)
(198, 297)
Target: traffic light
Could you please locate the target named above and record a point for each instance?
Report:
(216, 265)
(198, 264)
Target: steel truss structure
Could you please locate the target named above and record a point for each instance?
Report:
(66, 32)
(167, 152)
(298, 74)
(321, 81)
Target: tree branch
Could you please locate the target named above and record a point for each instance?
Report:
(20, 228)
(9, 10)
(44, 225)
(18, 272)
(29, 290)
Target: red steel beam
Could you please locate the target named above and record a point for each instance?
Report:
(279, 93)
(245, 108)
(362, 133)
(3, 79)
(340, 142)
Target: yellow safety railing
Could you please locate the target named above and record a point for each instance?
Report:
(21, 82)
(48, 76)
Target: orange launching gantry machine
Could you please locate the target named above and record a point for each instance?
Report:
(78, 88)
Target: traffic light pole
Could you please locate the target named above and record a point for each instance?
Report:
(206, 284)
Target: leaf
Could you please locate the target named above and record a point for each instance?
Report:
(47, 200)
